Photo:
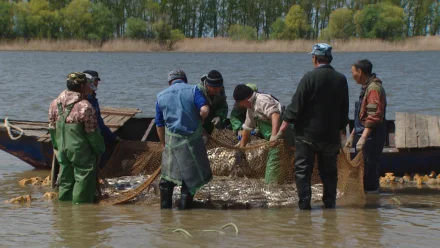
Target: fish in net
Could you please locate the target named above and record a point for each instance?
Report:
(236, 184)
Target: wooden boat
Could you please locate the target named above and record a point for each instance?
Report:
(412, 145)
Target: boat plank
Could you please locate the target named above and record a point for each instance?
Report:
(116, 120)
(422, 131)
(123, 120)
(400, 130)
(118, 113)
(433, 131)
(411, 131)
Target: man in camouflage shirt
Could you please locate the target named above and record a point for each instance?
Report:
(77, 140)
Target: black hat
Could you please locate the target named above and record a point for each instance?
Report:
(213, 79)
(241, 92)
(94, 74)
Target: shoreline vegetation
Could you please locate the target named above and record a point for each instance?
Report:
(223, 45)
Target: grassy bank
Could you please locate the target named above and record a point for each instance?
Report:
(223, 45)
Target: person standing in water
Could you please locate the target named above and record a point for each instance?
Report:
(369, 133)
(180, 111)
(76, 139)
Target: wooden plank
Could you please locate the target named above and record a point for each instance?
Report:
(148, 130)
(123, 120)
(108, 118)
(422, 131)
(116, 120)
(400, 130)
(133, 110)
(103, 116)
(411, 131)
(43, 139)
(433, 131)
(118, 113)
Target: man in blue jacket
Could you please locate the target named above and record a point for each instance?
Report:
(110, 138)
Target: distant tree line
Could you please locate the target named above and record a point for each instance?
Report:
(168, 21)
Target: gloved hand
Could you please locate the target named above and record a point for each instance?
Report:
(239, 135)
(360, 144)
(349, 142)
(215, 121)
(254, 132)
(278, 136)
(239, 156)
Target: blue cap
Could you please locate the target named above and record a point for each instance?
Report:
(322, 49)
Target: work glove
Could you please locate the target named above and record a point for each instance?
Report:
(216, 121)
(349, 142)
(360, 144)
(239, 156)
(278, 136)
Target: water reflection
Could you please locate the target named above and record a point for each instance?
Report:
(79, 225)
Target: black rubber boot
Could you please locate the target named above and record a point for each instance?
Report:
(304, 161)
(166, 194)
(328, 172)
(186, 198)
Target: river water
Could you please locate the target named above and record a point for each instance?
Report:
(30, 80)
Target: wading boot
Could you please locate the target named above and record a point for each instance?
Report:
(186, 200)
(304, 204)
(166, 194)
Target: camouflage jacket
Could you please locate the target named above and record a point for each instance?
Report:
(373, 103)
(82, 111)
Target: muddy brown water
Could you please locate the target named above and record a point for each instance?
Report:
(30, 80)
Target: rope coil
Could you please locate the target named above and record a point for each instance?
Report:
(9, 127)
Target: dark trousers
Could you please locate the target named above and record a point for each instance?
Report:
(327, 166)
(372, 152)
(166, 195)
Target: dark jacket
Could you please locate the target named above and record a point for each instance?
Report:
(319, 108)
(109, 136)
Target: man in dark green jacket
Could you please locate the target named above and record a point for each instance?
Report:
(212, 88)
(319, 111)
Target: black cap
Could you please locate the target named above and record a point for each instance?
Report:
(213, 79)
(241, 92)
(94, 74)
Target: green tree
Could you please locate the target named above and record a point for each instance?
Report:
(296, 23)
(277, 29)
(136, 28)
(175, 36)
(77, 19)
(381, 20)
(240, 32)
(6, 22)
(103, 23)
(162, 31)
(341, 24)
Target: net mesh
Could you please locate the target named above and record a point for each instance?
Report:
(235, 183)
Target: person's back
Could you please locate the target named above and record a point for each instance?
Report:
(179, 111)
(319, 111)
(324, 105)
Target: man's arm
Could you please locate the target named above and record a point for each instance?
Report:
(222, 109)
(160, 124)
(52, 124)
(275, 123)
(201, 103)
(294, 110)
(93, 133)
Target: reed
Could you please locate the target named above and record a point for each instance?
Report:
(222, 45)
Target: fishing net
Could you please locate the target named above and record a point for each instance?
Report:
(236, 183)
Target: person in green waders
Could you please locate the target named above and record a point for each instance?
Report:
(76, 139)
(238, 116)
(211, 86)
(265, 111)
(180, 112)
